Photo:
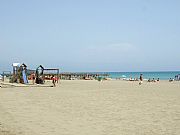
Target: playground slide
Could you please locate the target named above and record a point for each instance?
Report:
(24, 77)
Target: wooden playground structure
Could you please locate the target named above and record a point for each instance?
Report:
(43, 74)
(19, 73)
(22, 75)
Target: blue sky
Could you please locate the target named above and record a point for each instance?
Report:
(91, 35)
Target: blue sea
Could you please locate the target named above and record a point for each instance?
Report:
(146, 75)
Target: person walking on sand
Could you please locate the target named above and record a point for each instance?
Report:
(141, 79)
(53, 81)
(33, 78)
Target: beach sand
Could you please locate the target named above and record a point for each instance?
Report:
(91, 108)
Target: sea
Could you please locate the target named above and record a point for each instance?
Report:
(146, 75)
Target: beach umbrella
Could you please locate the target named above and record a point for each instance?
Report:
(123, 76)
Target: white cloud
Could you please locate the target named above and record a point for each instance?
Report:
(111, 52)
(121, 47)
(113, 48)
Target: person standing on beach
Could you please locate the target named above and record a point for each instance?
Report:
(33, 78)
(53, 81)
(141, 79)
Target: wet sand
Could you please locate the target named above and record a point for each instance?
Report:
(91, 108)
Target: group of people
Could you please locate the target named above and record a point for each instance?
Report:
(177, 77)
(171, 80)
(149, 80)
(53, 78)
(135, 79)
(153, 80)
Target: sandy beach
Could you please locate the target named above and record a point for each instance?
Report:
(91, 108)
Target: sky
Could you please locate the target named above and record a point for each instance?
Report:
(91, 35)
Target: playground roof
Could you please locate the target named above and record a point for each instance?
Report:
(15, 64)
